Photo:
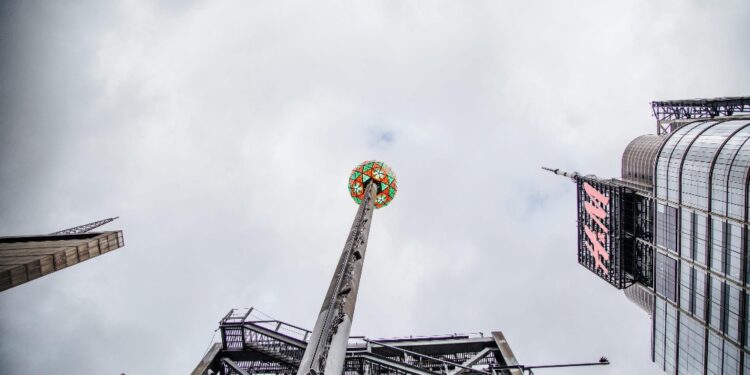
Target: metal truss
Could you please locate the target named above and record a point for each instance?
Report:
(278, 346)
(667, 111)
(85, 227)
(451, 363)
(363, 363)
(253, 346)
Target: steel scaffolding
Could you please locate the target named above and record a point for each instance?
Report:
(252, 344)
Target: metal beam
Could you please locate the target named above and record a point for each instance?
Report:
(396, 365)
(207, 360)
(276, 335)
(429, 357)
(234, 366)
(471, 361)
(508, 357)
(441, 345)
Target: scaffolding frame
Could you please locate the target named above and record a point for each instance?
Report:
(667, 112)
(252, 345)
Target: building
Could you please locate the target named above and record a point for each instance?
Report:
(252, 344)
(25, 258)
(673, 233)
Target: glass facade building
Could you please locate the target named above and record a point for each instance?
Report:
(701, 286)
(681, 220)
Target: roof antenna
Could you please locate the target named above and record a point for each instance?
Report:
(573, 176)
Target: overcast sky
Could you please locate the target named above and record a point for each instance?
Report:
(223, 133)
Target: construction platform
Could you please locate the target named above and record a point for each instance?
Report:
(251, 344)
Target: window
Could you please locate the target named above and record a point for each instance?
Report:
(699, 242)
(659, 332)
(686, 278)
(716, 315)
(670, 342)
(692, 344)
(699, 294)
(731, 359)
(666, 276)
(733, 246)
(687, 234)
(666, 227)
(717, 246)
(671, 229)
(732, 310)
(715, 350)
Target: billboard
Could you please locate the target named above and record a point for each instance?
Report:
(600, 232)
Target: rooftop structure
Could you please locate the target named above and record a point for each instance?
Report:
(254, 344)
(667, 111)
(25, 258)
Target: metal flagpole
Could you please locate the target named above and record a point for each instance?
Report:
(326, 350)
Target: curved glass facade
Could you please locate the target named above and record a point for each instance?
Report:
(669, 160)
(702, 267)
(639, 157)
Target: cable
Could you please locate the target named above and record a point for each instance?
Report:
(267, 316)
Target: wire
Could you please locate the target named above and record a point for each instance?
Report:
(267, 316)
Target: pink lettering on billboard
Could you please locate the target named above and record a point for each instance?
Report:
(595, 194)
(596, 209)
(597, 250)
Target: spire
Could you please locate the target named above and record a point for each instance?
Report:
(573, 176)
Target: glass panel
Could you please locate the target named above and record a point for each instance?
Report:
(692, 343)
(661, 225)
(659, 332)
(666, 227)
(716, 313)
(672, 229)
(733, 312)
(666, 276)
(686, 279)
(722, 168)
(670, 345)
(734, 249)
(686, 233)
(714, 353)
(736, 182)
(698, 159)
(699, 294)
(731, 359)
(717, 246)
(667, 157)
(701, 234)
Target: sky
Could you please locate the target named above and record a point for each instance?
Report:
(222, 133)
